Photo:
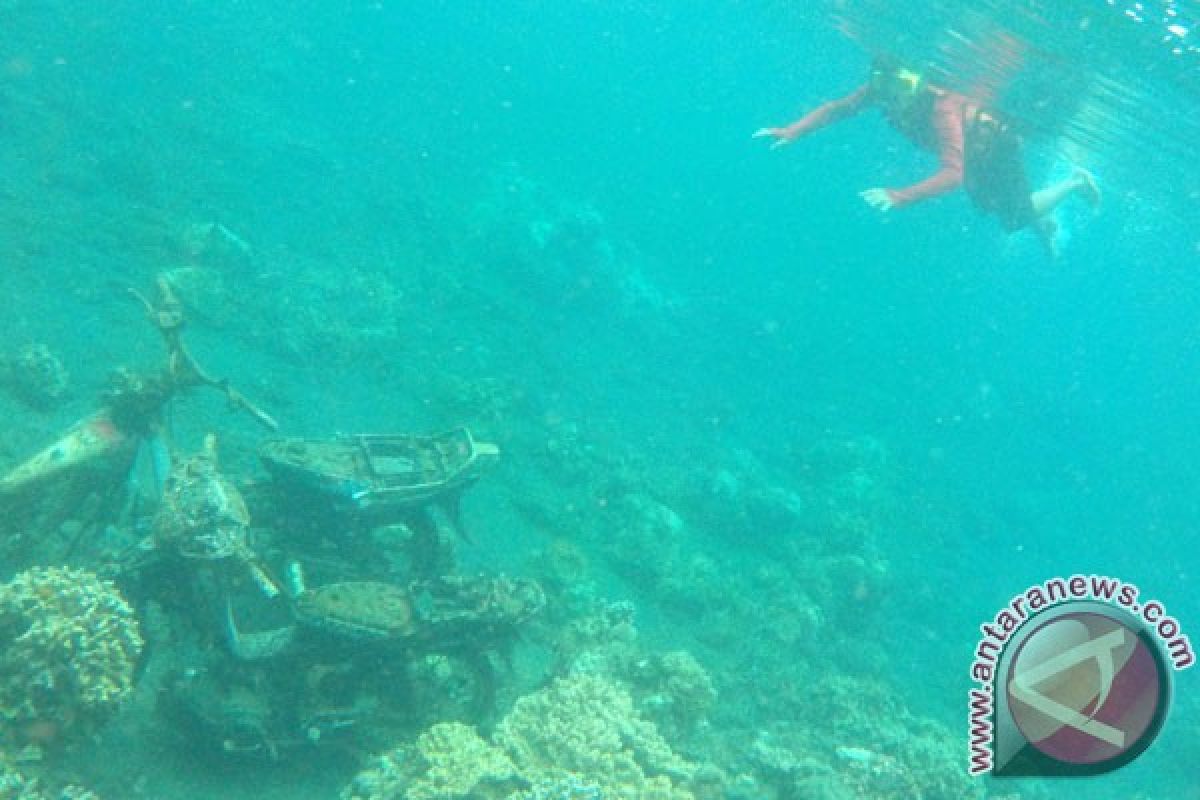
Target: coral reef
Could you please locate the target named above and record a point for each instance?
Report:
(456, 762)
(450, 687)
(569, 788)
(74, 793)
(35, 376)
(564, 570)
(672, 690)
(68, 646)
(855, 772)
(675, 691)
(450, 760)
(15, 786)
(580, 739)
(353, 311)
(602, 641)
(881, 750)
(587, 725)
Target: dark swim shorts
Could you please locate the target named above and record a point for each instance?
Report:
(994, 174)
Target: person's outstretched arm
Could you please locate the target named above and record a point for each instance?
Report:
(948, 123)
(825, 114)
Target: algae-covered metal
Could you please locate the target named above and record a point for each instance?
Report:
(379, 472)
(450, 612)
(358, 610)
(203, 516)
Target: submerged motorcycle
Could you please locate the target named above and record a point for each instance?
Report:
(124, 439)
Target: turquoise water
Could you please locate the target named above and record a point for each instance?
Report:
(813, 446)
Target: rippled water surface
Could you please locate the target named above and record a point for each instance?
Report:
(1119, 81)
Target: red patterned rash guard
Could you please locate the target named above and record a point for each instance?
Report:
(941, 133)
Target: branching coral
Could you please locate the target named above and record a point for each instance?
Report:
(580, 739)
(587, 725)
(449, 761)
(459, 763)
(68, 646)
(570, 788)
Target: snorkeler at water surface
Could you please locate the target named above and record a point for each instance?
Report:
(976, 150)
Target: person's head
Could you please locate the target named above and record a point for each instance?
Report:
(893, 84)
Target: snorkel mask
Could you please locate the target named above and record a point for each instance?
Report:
(894, 84)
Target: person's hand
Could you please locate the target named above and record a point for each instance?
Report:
(879, 199)
(780, 135)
